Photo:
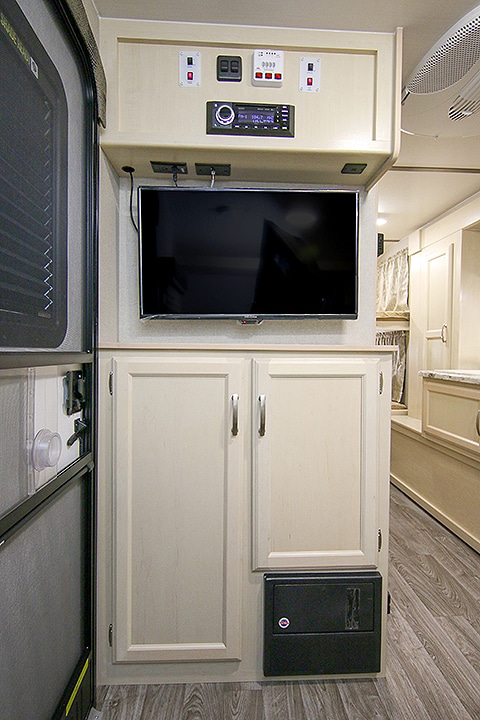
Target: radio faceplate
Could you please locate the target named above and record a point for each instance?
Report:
(229, 118)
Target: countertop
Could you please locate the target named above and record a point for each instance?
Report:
(465, 376)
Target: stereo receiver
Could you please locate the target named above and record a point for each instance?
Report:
(229, 118)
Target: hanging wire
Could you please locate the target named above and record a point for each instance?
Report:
(130, 171)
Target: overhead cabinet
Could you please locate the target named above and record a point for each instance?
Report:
(343, 127)
(199, 439)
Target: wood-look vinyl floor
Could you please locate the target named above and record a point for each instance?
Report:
(433, 645)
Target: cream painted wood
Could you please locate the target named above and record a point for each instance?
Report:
(315, 466)
(466, 348)
(178, 471)
(438, 283)
(451, 413)
(151, 117)
(443, 480)
(143, 510)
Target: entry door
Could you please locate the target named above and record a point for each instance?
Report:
(46, 518)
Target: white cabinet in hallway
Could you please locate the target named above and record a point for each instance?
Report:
(224, 463)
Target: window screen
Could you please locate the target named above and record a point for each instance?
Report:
(43, 571)
(33, 152)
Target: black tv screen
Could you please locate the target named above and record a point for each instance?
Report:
(249, 254)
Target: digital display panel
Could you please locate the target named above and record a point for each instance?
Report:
(254, 117)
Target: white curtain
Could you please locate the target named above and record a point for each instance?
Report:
(392, 283)
(398, 338)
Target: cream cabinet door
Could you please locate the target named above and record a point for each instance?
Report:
(438, 288)
(178, 469)
(315, 463)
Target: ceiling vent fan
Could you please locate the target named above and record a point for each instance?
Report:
(452, 59)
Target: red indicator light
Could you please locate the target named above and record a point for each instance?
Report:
(278, 76)
(259, 75)
(268, 76)
(309, 81)
(190, 75)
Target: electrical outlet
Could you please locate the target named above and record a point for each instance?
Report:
(165, 167)
(206, 169)
(189, 68)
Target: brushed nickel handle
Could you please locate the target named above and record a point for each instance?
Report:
(443, 334)
(262, 399)
(235, 415)
(478, 423)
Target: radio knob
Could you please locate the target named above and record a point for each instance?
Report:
(225, 115)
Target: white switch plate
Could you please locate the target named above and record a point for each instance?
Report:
(268, 68)
(189, 68)
(309, 74)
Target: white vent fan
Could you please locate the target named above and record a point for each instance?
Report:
(444, 90)
(450, 59)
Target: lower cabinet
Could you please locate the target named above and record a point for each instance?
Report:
(228, 464)
(451, 413)
(315, 455)
(178, 469)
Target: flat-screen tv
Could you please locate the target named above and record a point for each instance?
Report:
(247, 254)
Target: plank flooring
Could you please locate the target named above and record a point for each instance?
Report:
(433, 645)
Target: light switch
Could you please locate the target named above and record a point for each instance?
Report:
(309, 80)
(189, 68)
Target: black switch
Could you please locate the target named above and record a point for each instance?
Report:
(229, 68)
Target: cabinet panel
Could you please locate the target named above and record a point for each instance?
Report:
(451, 413)
(315, 471)
(178, 473)
(438, 288)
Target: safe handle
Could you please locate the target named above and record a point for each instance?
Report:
(477, 423)
(235, 415)
(262, 399)
(443, 334)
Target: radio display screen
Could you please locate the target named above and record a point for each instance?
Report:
(256, 117)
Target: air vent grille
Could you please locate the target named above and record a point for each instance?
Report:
(468, 101)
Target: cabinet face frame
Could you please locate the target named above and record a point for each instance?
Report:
(451, 413)
(228, 376)
(362, 551)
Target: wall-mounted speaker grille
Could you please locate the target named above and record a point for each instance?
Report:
(450, 60)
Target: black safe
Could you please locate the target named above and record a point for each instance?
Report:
(322, 623)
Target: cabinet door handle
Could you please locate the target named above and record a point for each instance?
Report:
(235, 415)
(443, 334)
(478, 423)
(262, 399)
